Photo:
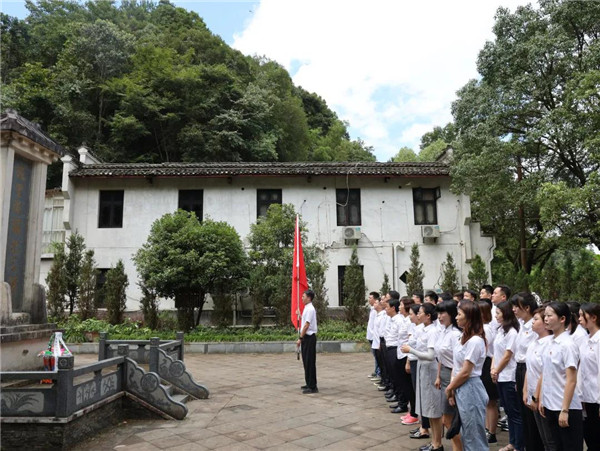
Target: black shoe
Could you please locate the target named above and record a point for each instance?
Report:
(491, 438)
(310, 390)
(399, 410)
(393, 406)
(304, 387)
(414, 431)
(392, 399)
(418, 434)
(431, 448)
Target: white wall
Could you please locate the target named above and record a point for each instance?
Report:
(388, 229)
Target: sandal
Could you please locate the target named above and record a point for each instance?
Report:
(419, 434)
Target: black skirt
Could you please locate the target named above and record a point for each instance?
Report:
(486, 378)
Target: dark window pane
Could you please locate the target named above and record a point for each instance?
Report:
(425, 206)
(110, 209)
(192, 200)
(348, 207)
(265, 198)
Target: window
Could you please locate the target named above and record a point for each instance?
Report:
(348, 207)
(53, 228)
(424, 202)
(191, 200)
(264, 199)
(341, 273)
(111, 209)
(100, 281)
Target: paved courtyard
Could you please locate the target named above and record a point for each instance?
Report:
(256, 403)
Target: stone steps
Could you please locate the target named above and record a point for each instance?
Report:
(11, 334)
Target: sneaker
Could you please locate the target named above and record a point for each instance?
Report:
(372, 375)
(413, 431)
(409, 420)
(376, 379)
(405, 416)
(491, 438)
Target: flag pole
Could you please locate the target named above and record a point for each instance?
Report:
(297, 286)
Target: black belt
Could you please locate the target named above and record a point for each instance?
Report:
(392, 347)
(521, 364)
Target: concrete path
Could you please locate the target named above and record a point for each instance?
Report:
(256, 403)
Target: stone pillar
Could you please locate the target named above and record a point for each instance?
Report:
(7, 159)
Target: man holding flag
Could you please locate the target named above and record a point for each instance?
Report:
(308, 341)
(307, 330)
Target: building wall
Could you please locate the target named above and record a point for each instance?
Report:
(388, 229)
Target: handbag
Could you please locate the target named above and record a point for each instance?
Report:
(454, 428)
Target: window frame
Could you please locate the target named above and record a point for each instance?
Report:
(343, 209)
(115, 209)
(262, 203)
(420, 204)
(193, 200)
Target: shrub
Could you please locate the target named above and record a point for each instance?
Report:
(115, 292)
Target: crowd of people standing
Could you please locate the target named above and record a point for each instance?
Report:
(448, 363)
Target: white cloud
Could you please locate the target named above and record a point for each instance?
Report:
(389, 67)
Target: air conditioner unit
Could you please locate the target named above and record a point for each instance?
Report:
(430, 231)
(352, 233)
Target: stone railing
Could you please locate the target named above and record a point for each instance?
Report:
(163, 357)
(102, 382)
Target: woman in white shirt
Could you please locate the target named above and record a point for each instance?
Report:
(429, 399)
(559, 399)
(503, 371)
(523, 306)
(589, 363)
(533, 359)
(466, 389)
(444, 352)
(491, 411)
(415, 332)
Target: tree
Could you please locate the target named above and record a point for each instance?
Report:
(185, 259)
(354, 291)
(315, 273)
(86, 287)
(531, 121)
(450, 275)
(115, 292)
(149, 306)
(478, 276)
(74, 266)
(432, 151)
(414, 279)
(56, 280)
(405, 154)
(385, 286)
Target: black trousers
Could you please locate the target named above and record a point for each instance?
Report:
(309, 360)
(570, 438)
(408, 392)
(591, 427)
(381, 359)
(531, 435)
(394, 373)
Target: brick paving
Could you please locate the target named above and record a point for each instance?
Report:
(256, 403)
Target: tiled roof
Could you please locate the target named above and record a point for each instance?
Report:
(11, 120)
(229, 169)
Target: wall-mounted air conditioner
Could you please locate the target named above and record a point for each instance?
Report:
(430, 231)
(352, 233)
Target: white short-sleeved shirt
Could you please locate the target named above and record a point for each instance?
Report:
(427, 338)
(502, 343)
(444, 345)
(525, 337)
(473, 351)
(533, 359)
(587, 378)
(414, 332)
(382, 321)
(490, 334)
(371, 323)
(309, 315)
(376, 325)
(392, 330)
(560, 354)
(403, 335)
(580, 336)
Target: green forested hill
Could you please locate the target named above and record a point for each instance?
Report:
(146, 81)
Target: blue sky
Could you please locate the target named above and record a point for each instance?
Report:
(390, 68)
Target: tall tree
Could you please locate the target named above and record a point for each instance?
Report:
(527, 142)
(354, 291)
(478, 275)
(56, 281)
(449, 274)
(86, 300)
(73, 267)
(115, 292)
(414, 279)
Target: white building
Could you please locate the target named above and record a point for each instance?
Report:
(386, 207)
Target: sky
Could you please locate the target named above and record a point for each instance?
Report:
(390, 68)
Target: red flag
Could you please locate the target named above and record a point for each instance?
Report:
(299, 282)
